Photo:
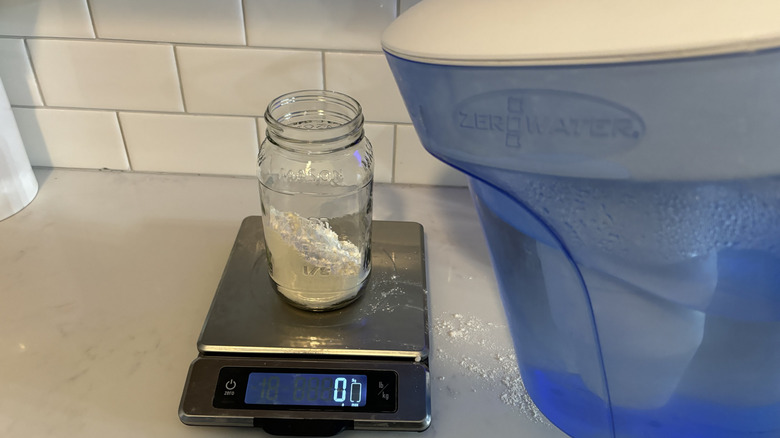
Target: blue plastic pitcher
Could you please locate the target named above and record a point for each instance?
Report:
(625, 161)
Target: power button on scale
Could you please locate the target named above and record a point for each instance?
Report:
(229, 392)
(230, 389)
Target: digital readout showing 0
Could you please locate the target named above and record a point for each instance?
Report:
(298, 389)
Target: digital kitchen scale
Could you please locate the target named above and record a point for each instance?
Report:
(265, 363)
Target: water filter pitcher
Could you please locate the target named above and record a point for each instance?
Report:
(624, 158)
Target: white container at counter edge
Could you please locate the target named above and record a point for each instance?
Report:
(18, 185)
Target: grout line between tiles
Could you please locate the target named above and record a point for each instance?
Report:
(147, 172)
(91, 18)
(203, 45)
(395, 149)
(172, 113)
(324, 82)
(204, 175)
(178, 77)
(260, 136)
(124, 140)
(243, 22)
(176, 113)
(34, 72)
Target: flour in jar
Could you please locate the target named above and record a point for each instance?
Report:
(309, 263)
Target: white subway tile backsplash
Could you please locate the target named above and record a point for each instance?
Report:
(414, 165)
(111, 75)
(382, 138)
(71, 138)
(367, 78)
(45, 18)
(17, 74)
(182, 85)
(190, 144)
(317, 24)
(242, 81)
(185, 21)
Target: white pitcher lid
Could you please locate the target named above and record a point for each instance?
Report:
(570, 32)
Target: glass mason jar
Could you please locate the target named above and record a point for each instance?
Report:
(315, 172)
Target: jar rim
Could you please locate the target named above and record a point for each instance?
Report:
(353, 109)
(314, 121)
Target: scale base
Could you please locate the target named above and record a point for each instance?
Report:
(381, 338)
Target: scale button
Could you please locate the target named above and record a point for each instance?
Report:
(230, 385)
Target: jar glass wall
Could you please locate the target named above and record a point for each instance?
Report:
(315, 173)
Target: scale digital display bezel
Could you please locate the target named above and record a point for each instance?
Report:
(306, 389)
(381, 389)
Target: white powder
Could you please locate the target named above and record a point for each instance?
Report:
(383, 300)
(317, 243)
(473, 349)
(310, 265)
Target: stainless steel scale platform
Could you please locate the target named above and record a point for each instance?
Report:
(266, 364)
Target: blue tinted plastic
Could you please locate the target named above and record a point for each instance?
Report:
(633, 217)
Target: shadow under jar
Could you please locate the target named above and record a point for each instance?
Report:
(315, 173)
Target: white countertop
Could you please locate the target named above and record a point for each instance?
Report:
(106, 278)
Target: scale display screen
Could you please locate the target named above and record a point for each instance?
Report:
(302, 389)
(309, 389)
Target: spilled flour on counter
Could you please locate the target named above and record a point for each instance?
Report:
(473, 349)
